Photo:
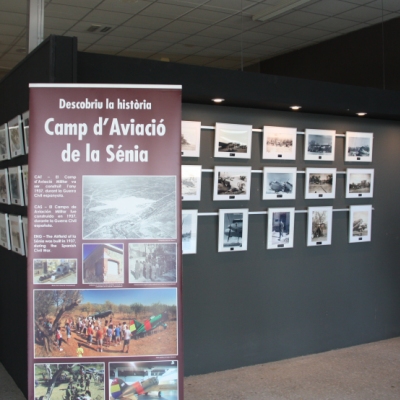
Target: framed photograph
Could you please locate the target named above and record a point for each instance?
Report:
(190, 138)
(152, 262)
(319, 145)
(54, 271)
(16, 234)
(280, 228)
(279, 183)
(103, 263)
(232, 140)
(25, 182)
(319, 228)
(4, 143)
(279, 143)
(191, 182)
(16, 187)
(25, 229)
(360, 223)
(16, 137)
(4, 187)
(232, 183)
(25, 124)
(189, 231)
(320, 183)
(4, 232)
(232, 229)
(359, 182)
(358, 147)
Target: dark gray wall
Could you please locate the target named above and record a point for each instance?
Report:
(263, 305)
(369, 57)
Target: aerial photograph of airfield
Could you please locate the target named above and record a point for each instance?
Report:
(129, 207)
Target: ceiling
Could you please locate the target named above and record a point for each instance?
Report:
(213, 33)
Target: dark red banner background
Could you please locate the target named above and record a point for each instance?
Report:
(59, 163)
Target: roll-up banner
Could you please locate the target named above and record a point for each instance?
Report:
(104, 266)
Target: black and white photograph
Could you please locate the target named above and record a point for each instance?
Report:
(319, 227)
(16, 186)
(191, 182)
(103, 263)
(16, 234)
(280, 228)
(233, 229)
(189, 231)
(358, 147)
(232, 140)
(232, 183)
(16, 137)
(54, 271)
(190, 138)
(4, 143)
(25, 229)
(129, 207)
(4, 187)
(279, 143)
(359, 182)
(158, 379)
(360, 223)
(4, 232)
(279, 183)
(152, 262)
(319, 145)
(24, 169)
(320, 183)
(25, 124)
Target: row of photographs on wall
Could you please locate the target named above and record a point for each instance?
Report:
(14, 233)
(279, 143)
(14, 185)
(87, 380)
(156, 262)
(14, 137)
(150, 314)
(104, 264)
(233, 183)
(233, 227)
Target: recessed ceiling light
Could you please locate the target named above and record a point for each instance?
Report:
(218, 100)
(165, 59)
(361, 114)
(295, 108)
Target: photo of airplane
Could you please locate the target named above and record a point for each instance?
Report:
(103, 314)
(139, 329)
(144, 379)
(233, 229)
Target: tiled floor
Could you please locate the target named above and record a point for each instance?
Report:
(365, 372)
